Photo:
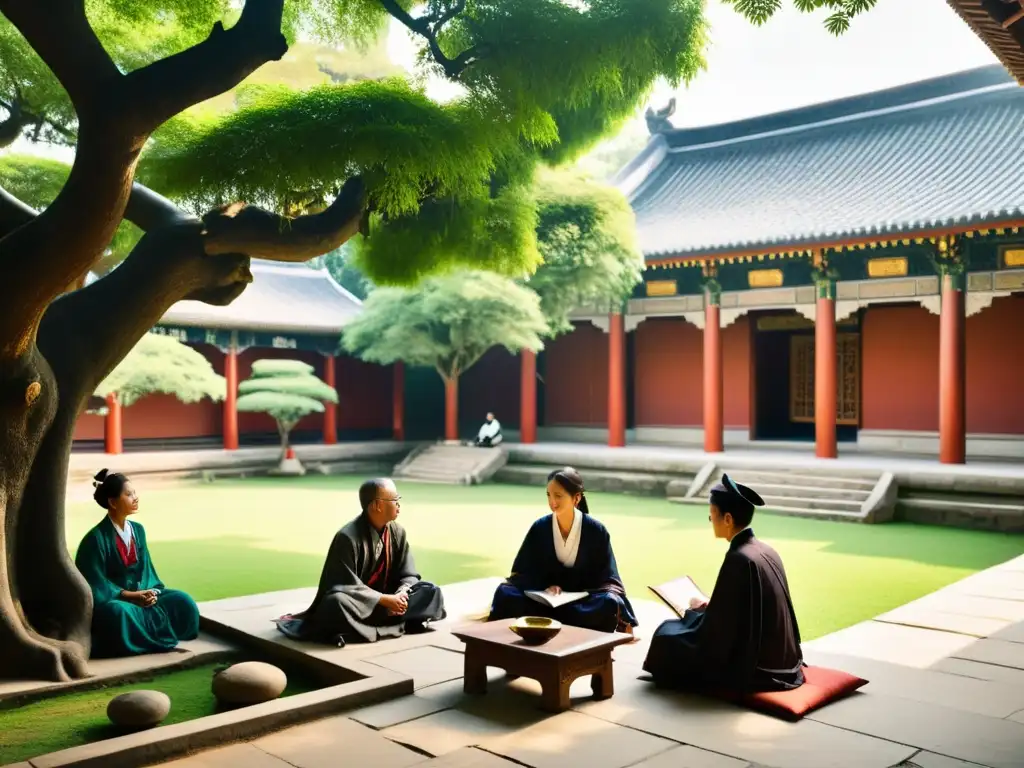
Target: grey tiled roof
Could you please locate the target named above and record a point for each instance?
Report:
(939, 153)
(282, 297)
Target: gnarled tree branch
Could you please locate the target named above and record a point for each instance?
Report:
(253, 231)
(11, 128)
(116, 114)
(219, 63)
(60, 33)
(428, 27)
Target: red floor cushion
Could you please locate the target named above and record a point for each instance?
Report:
(821, 686)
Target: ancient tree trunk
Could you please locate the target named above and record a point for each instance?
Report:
(55, 351)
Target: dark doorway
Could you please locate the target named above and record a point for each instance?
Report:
(784, 377)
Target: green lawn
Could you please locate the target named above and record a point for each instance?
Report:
(73, 719)
(237, 537)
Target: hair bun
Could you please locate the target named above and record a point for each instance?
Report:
(99, 477)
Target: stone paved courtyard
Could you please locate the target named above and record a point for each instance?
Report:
(946, 691)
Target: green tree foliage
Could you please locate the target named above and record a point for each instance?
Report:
(36, 181)
(840, 12)
(587, 236)
(340, 263)
(449, 184)
(162, 364)
(287, 390)
(447, 323)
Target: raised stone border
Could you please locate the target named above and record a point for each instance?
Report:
(351, 685)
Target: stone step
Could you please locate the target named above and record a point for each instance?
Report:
(813, 492)
(993, 514)
(443, 474)
(813, 512)
(757, 477)
(790, 511)
(593, 479)
(811, 502)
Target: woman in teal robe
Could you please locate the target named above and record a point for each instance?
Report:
(132, 611)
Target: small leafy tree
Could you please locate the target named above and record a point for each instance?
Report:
(162, 364)
(586, 233)
(286, 390)
(447, 323)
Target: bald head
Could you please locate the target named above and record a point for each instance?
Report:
(373, 489)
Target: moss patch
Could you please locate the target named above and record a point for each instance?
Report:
(80, 717)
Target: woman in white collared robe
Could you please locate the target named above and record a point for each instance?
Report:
(581, 560)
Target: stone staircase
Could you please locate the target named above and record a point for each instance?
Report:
(825, 494)
(451, 464)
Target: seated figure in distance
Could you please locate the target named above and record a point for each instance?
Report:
(489, 435)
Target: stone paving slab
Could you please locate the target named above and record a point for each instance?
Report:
(983, 697)
(751, 736)
(336, 742)
(591, 742)
(931, 760)
(233, 756)
(691, 757)
(896, 644)
(980, 671)
(453, 729)
(469, 757)
(989, 741)
(944, 621)
(996, 652)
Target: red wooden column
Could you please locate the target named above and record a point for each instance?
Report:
(398, 402)
(825, 357)
(528, 397)
(713, 407)
(451, 410)
(231, 397)
(952, 371)
(616, 380)
(330, 409)
(112, 427)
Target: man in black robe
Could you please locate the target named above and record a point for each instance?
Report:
(745, 638)
(369, 588)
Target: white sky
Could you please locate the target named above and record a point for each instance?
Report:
(792, 60)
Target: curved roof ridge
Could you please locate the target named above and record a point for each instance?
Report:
(918, 94)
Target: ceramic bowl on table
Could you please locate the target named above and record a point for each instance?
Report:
(535, 629)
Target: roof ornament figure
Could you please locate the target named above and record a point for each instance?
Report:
(657, 122)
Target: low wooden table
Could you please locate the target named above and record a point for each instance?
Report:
(572, 653)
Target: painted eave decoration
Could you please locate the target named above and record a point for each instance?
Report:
(893, 167)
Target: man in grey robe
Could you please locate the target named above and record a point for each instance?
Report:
(369, 588)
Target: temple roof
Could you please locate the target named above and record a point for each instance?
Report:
(283, 297)
(940, 153)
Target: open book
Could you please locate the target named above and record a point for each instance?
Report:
(555, 601)
(677, 594)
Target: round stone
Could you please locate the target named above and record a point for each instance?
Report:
(251, 682)
(139, 709)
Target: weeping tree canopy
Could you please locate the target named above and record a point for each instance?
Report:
(162, 364)
(446, 323)
(839, 13)
(586, 232)
(287, 390)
